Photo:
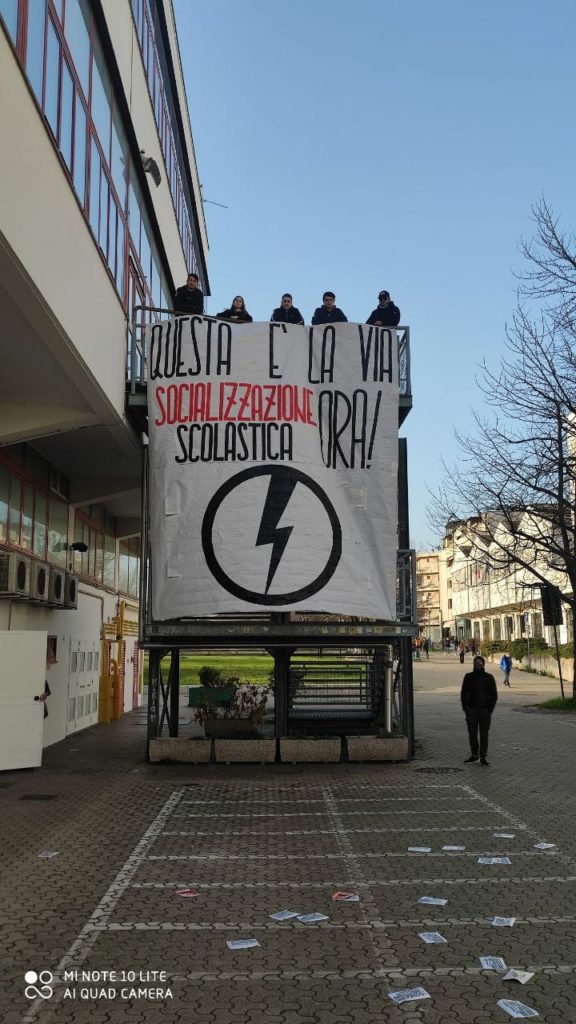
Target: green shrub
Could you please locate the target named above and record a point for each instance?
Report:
(210, 676)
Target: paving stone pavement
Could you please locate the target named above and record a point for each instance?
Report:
(253, 840)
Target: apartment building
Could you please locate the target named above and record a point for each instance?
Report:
(100, 212)
(429, 610)
(483, 602)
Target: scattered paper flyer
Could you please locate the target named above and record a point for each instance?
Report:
(521, 976)
(242, 943)
(493, 963)
(309, 918)
(517, 1009)
(453, 849)
(504, 835)
(419, 849)
(345, 897)
(494, 860)
(544, 846)
(432, 901)
(503, 922)
(284, 915)
(432, 938)
(408, 995)
(187, 893)
(47, 854)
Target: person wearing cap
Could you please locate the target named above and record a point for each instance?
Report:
(286, 313)
(478, 696)
(386, 313)
(328, 312)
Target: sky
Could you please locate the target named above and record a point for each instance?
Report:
(395, 144)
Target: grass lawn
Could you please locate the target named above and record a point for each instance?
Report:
(557, 704)
(251, 668)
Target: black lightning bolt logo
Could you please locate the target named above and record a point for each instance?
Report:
(280, 490)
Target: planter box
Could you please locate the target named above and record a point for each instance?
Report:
(377, 748)
(231, 728)
(181, 751)
(200, 695)
(295, 751)
(239, 751)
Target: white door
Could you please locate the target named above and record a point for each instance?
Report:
(22, 677)
(83, 684)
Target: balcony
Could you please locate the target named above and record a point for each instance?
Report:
(136, 374)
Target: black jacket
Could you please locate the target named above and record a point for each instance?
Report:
(389, 316)
(287, 316)
(479, 690)
(189, 301)
(237, 318)
(322, 315)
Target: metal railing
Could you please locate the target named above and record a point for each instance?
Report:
(136, 372)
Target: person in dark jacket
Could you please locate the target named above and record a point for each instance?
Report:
(286, 313)
(237, 312)
(386, 313)
(479, 696)
(328, 312)
(189, 300)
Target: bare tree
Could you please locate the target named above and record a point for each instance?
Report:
(515, 480)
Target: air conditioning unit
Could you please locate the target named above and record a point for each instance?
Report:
(14, 574)
(70, 591)
(56, 586)
(39, 579)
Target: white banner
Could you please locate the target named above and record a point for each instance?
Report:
(273, 468)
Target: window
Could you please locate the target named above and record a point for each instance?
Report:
(14, 509)
(66, 115)
(57, 532)
(35, 48)
(52, 82)
(80, 150)
(497, 629)
(4, 498)
(101, 103)
(9, 12)
(78, 39)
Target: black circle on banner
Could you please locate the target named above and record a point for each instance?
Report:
(278, 474)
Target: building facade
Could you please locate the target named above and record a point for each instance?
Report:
(482, 603)
(429, 610)
(100, 212)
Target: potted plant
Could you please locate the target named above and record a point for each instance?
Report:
(240, 717)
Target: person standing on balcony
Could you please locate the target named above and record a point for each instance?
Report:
(386, 313)
(478, 696)
(188, 299)
(237, 313)
(286, 313)
(328, 312)
(506, 666)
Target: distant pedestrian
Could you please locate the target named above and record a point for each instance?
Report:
(237, 312)
(478, 696)
(328, 312)
(286, 313)
(461, 651)
(386, 313)
(426, 647)
(188, 299)
(506, 666)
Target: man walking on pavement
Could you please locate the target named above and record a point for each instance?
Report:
(478, 696)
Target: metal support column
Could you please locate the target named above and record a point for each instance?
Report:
(282, 657)
(153, 694)
(174, 688)
(406, 642)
